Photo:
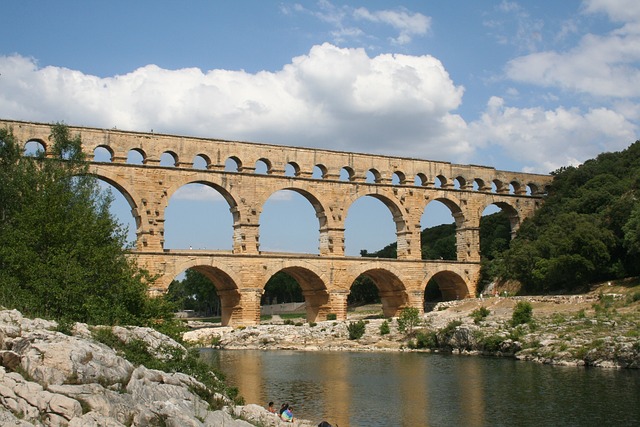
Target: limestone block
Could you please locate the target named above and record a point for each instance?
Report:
(65, 406)
(102, 401)
(54, 358)
(93, 419)
(9, 419)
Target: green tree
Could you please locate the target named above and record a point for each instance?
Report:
(363, 291)
(61, 251)
(283, 288)
(408, 320)
(195, 292)
(586, 231)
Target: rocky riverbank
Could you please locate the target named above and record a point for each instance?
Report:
(601, 328)
(51, 378)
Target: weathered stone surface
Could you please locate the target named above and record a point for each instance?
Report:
(54, 358)
(69, 375)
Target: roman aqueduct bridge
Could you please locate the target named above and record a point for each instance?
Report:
(331, 181)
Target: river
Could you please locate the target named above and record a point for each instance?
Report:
(420, 389)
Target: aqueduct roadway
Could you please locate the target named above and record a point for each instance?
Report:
(331, 181)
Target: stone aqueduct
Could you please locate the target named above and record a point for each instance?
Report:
(404, 185)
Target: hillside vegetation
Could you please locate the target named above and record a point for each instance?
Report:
(587, 231)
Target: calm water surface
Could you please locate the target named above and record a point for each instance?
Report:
(417, 389)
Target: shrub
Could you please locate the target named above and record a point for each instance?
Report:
(479, 314)
(356, 329)
(312, 324)
(384, 328)
(409, 319)
(491, 343)
(426, 340)
(332, 316)
(522, 313)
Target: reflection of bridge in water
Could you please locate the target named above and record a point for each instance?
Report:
(330, 181)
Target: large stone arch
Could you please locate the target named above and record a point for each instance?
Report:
(133, 199)
(225, 281)
(314, 288)
(392, 291)
(320, 211)
(236, 212)
(512, 213)
(460, 218)
(398, 215)
(452, 286)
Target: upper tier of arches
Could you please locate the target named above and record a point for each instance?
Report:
(306, 163)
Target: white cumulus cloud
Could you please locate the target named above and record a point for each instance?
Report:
(548, 139)
(336, 98)
(599, 65)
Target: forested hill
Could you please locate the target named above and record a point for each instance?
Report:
(588, 230)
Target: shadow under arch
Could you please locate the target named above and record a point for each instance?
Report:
(391, 290)
(226, 288)
(314, 290)
(450, 286)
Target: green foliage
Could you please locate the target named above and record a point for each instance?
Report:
(283, 288)
(195, 292)
(479, 314)
(363, 291)
(522, 313)
(332, 316)
(356, 329)
(384, 328)
(439, 242)
(491, 343)
(587, 230)
(409, 319)
(426, 340)
(61, 251)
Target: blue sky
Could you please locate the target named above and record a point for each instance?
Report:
(518, 85)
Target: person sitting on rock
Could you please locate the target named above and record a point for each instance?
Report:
(286, 413)
(271, 408)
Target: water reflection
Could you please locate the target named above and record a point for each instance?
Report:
(414, 389)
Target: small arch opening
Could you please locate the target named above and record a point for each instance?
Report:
(263, 167)
(319, 172)
(34, 148)
(232, 164)
(398, 178)
(201, 162)
(168, 159)
(135, 157)
(102, 154)
(347, 174)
